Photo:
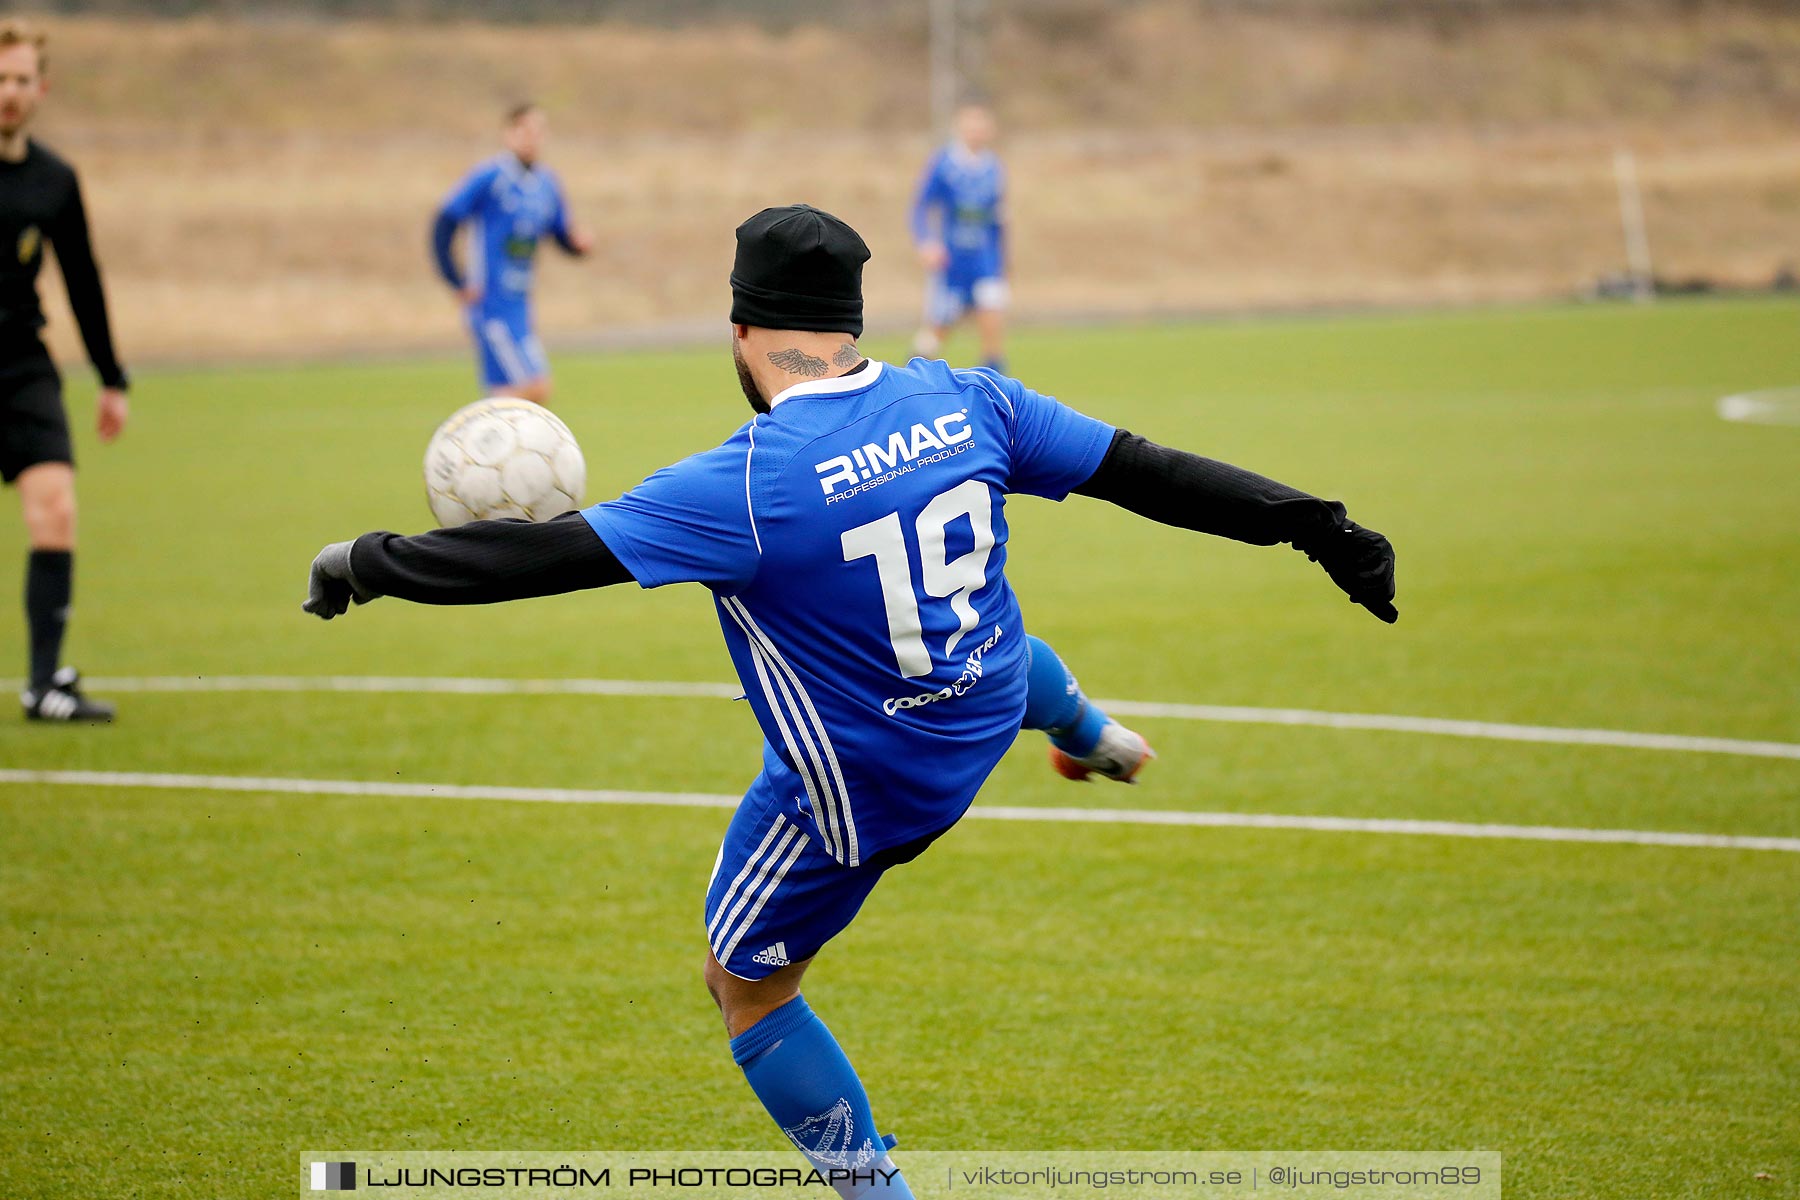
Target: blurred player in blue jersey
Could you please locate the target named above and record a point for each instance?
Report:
(854, 536)
(959, 228)
(509, 203)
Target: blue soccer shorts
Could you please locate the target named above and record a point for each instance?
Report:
(508, 351)
(776, 896)
(966, 282)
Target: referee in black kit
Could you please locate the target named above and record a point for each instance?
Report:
(40, 201)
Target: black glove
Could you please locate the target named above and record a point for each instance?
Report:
(1361, 562)
(332, 587)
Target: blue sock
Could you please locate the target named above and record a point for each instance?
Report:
(1054, 703)
(996, 365)
(799, 1072)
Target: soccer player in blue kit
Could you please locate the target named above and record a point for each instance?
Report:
(854, 536)
(509, 202)
(959, 229)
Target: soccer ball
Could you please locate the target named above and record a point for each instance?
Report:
(502, 457)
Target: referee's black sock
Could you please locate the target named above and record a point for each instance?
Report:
(49, 584)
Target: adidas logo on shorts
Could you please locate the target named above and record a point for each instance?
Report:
(774, 956)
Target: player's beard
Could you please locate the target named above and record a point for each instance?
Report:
(746, 380)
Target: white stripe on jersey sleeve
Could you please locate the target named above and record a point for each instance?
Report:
(748, 504)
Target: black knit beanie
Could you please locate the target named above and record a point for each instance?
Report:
(798, 268)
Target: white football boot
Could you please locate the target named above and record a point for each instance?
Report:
(1119, 755)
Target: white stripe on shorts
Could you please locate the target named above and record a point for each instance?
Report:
(749, 865)
(768, 891)
(499, 339)
(723, 936)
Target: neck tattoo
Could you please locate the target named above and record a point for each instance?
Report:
(798, 362)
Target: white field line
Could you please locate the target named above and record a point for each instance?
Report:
(1772, 406)
(1493, 730)
(358, 787)
(1555, 734)
(1086, 816)
(413, 684)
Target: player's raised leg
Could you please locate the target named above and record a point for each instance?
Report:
(1084, 741)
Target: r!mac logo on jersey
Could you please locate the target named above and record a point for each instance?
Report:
(873, 463)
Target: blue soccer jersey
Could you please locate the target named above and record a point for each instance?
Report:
(854, 538)
(508, 208)
(959, 204)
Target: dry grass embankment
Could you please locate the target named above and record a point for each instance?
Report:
(265, 188)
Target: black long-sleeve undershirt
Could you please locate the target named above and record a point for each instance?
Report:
(1208, 496)
(485, 562)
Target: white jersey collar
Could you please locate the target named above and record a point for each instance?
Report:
(855, 381)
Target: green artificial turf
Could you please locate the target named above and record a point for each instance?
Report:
(196, 986)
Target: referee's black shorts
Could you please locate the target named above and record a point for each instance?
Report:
(33, 426)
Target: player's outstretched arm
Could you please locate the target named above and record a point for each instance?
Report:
(483, 562)
(1203, 494)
